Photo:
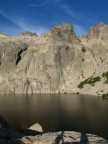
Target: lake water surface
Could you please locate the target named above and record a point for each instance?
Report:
(68, 112)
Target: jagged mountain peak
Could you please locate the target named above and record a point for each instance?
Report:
(99, 31)
(65, 32)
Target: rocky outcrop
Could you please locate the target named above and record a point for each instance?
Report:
(56, 62)
(10, 136)
(100, 31)
(68, 137)
(28, 34)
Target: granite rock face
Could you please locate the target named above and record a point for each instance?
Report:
(55, 62)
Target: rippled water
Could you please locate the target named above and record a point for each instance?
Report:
(57, 112)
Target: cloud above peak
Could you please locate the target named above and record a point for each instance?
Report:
(32, 28)
(17, 25)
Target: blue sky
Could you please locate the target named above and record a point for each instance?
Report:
(41, 15)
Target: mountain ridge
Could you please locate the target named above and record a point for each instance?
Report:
(55, 62)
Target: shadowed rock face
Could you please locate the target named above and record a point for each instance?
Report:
(55, 62)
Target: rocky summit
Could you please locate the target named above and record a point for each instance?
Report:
(55, 62)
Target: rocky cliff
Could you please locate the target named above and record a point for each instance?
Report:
(55, 62)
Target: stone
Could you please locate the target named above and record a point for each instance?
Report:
(36, 127)
(69, 137)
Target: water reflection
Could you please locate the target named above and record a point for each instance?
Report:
(88, 114)
(84, 139)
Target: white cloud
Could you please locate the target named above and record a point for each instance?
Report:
(10, 19)
(32, 28)
(79, 29)
(74, 13)
(70, 12)
(23, 25)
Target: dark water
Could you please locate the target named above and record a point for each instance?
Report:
(57, 112)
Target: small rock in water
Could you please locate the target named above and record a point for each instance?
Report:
(36, 127)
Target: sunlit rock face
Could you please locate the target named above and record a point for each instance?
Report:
(100, 31)
(57, 61)
(10, 55)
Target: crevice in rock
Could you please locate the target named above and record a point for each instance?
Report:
(19, 55)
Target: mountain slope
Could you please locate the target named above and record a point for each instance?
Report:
(58, 61)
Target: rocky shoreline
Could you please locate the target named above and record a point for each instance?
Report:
(10, 136)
